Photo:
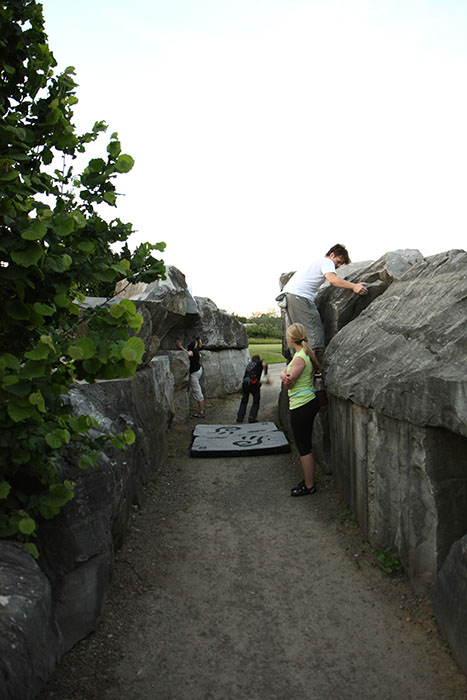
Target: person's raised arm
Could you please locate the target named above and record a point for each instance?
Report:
(336, 281)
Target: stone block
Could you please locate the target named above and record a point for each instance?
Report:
(77, 547)
(338, 307)
(448, 596)
(28, 643)
(223, 371)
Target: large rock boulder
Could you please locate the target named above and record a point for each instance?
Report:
(223, 371)
(338, 307)
(217, 329)
(164, 305)
(28, 642)
(448, 597)
(44, 613)
(398, 414)
(77, 547)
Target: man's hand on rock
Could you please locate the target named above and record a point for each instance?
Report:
(360, 288)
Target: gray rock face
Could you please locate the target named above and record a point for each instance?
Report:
(404, 357)
(223, 371)
(44, 613)
(180, 366)
(217, 329)
(338, 307)
(448, 597)
(398, 418)
(164, 305)
(77, 547)
(27, 640)
(395, 431)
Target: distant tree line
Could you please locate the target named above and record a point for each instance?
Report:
(262, 324)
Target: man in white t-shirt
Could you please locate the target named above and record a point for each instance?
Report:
(302, 289)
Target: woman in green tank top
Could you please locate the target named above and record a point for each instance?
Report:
(298, 377)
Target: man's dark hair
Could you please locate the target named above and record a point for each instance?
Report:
(341, 251)
(255, 358)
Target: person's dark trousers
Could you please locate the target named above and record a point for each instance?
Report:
(247, 390)
(254, 391)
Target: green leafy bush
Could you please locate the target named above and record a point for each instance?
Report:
(262, 330)
(55, 246)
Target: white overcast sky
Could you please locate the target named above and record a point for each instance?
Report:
(265, 131)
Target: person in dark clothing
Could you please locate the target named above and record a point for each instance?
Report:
(251, 385)
(196, 371)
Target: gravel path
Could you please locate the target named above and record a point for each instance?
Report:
(228, 589)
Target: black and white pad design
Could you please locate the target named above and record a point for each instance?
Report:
(238, 440)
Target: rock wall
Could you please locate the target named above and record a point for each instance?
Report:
(49, 605)
(398, 421)
(395, 431)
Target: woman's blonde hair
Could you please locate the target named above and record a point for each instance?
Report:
(297, 334)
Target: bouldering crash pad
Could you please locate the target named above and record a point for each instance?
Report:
(238, 440)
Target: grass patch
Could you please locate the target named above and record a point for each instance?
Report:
(271, 351)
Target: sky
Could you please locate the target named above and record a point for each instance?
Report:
(266, 131)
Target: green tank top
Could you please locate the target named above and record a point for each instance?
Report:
(303, 390)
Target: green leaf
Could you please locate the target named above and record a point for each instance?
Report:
(18, 310)
(36, 399)
(96, 164)
(47, 156)
(57, 438)
(31, 549)
(9, 380)
(28, 256)
(83, 349)
(10, 361)
(35, 232)
(92, 366)
(43, 309)
(79, 218)
(62, 300)
(63, 225)
(124, 164)
(133, 350)
(5, 489)
(135, 322)
(129, 436)
(58, 263)
(110, 197)
(34, 369)
(87, 247)
(89, 460)
(20, 456)
(128, 305)
(67, 260)
(17, 412)
(114, 148)
(40, 352)
(117, 311)
(27, 526)
(58, 495)
(81, 424)
(106, 275)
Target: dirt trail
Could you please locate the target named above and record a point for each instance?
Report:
(229, 589)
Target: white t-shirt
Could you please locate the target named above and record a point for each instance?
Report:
(307, 280)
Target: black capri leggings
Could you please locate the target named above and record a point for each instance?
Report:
(301, 420)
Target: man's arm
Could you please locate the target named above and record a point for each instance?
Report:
(337, 281)
(180, 347)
